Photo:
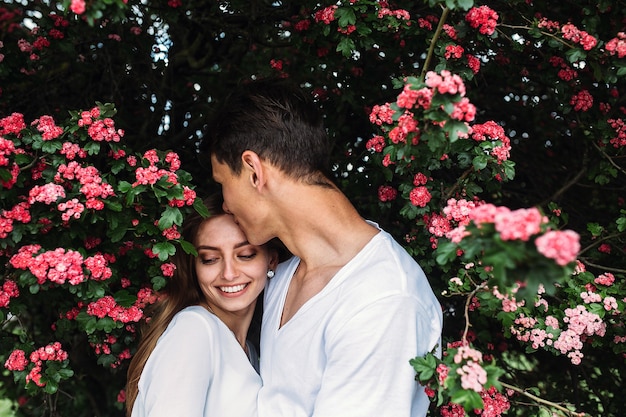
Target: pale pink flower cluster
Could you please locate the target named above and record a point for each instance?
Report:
(446, 83)
(610, 304)
(456, 211)
(561, 245)
(509, 303)
(47, 193)
(590, 297)
(519, 224)
(463, 110)
(605, 279)
(71, 209)
(581, 324)
(410, 98)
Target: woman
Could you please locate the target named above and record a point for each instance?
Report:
(194, 359)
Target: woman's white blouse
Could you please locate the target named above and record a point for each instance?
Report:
(197, 369)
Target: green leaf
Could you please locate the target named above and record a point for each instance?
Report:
(469, 399)
(164, 250)
(92, 148)
(188, 247)
(170, 216)
(345, 16)
(346, 46)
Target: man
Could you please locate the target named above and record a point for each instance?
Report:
(344, 315)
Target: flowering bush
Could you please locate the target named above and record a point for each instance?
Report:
(526, 118)
(86, 230)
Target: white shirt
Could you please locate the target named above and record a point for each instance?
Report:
(197, 369)
(346, 351)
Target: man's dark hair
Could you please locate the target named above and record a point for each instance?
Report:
(279, 122)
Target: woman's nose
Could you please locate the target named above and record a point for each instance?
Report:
(230, 271)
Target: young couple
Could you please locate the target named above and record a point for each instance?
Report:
(342, 317)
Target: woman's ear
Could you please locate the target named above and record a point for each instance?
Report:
(273, 259)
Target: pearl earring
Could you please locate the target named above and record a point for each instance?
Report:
(270, 273)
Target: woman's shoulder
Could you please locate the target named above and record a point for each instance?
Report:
(195, 315)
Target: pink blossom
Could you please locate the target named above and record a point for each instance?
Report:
(473, 376)
(582, 101)
(519, 224)
(382, 114)
(420, 196)
(78, 6)
(387, 193)
(617, 45)
(167, 269)
(562, 246)
(17, 361)
(12, 124)
(47, 194)
(438, 225)
(446, 83)
(483, 18)
(376, 144)
(605, 279)
(326, 15)
(98, 267)
(49, 131)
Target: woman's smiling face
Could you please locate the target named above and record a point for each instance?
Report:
(231, 271)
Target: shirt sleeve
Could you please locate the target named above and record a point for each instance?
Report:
(368, 371)
(180, 371)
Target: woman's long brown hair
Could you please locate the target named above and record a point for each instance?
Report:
(182, 290)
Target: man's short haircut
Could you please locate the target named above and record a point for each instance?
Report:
(279, 122)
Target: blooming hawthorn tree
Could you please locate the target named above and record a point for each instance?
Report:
(489, 137)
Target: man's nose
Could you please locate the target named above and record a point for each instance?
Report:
(225, 208)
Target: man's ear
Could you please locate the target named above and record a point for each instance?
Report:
(253, 168)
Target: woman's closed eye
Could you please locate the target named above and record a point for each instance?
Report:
(208, 261)
(247, 256)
